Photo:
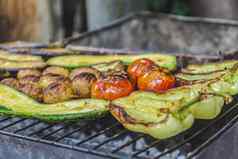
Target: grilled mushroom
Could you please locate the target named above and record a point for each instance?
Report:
(27, 76)
(29, 83)
(56, 85)
(58, 91)
(82, 80)
(45, 81)
(53, 74)
(56, 71)
(11, 82)
(110, 66)
(31, 89)
(28, 72)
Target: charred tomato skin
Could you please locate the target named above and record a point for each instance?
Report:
(157, 80)
(111, 88)
(139, 68)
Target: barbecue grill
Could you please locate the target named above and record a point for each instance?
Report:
(106, 138)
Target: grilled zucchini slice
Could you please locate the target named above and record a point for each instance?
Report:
(16, 103)
(73, 61)
(12, 65)
(18, 57)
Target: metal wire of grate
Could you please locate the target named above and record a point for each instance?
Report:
(107, 138)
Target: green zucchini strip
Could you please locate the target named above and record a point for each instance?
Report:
(11, 65)
(18, 57)
(72, 61)
(20, 104)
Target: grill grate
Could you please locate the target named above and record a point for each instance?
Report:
(106, 137)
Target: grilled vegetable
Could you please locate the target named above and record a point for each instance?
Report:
(12, 65)
(56, 85)
(16, 57)
(216, 88)
(159, 115)
(89, 70)
(112, 86)
(58, 91)
(209, 107)
(221, 82)
(139, 68)
(72, 61)
(166, 114)
(210, 67)
(82, 80)
(11, 82)
(56, 71)
(53, 74)
(29, 83)
(28, 73)
(30, 88)
(156, 80)
(16, 103)
(46, 80)
(188, 79)
(110, 66)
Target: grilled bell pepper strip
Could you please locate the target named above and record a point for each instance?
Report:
(223, 82)
(209, 67)
(165, 126)
(159, 115)
(216, 90)
(208, 107)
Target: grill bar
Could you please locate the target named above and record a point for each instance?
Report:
(81, 149)
(146, 148)
(54, 132)
(41, 130)
(68, 134)
(98, 134)
(29, 126)
(123, 131)
(11, 124)
(128, 143)
(5, 119)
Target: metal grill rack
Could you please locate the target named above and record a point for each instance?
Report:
(107, 138)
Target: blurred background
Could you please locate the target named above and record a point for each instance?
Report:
(51, 20)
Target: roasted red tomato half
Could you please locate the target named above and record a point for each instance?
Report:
(111, 88)
(139, 68)
(156, 80)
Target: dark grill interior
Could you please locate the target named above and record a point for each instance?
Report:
(106, 137)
